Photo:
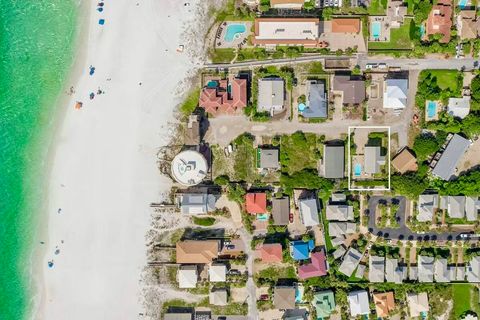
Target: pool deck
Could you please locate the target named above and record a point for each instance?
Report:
(384, 28)
(221, 30)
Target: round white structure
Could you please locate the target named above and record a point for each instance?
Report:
(189, 167)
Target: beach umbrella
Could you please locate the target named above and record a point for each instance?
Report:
(101, 22)
(92, 70)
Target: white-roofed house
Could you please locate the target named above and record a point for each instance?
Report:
(218, 297)
(350, 262)
(196, 203)
(339, 212)
(427, 204)
(395, 93)
(309, 212)
(393, 272)
(472, 205)
(473, 270)
(373, 159)
(187, 276)
(425, 268)
(456, 207)
(336, 229)
(271, 96)
(376, 269)
(418, 304)
(441, 272)
(217, 273)
(459, 107)
(359, 304)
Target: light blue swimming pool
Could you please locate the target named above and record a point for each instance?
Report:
(234, 31)
(299, 294)
(357, 170)
(462, 3)
(376, 29)
(301, 107)
(262, 217)
(422, 31)
(431, 109)
(212, 84)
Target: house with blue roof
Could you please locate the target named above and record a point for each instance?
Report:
(300, 250)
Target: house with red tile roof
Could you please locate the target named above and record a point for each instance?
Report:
(256, 202)
(346, 25)
(440, 20)
(271, 253)
(316, 268)
(224, 96)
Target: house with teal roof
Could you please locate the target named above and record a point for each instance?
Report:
(300, 250)
(324, 304)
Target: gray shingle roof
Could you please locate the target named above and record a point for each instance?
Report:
(280, 211)
(353, 90)
(316, 100)
(373, 159)
(334, 161)
(425, 268)
(447, 163)
(350, 262)
(376, 269)
(268, 158)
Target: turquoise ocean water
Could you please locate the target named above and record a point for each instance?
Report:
(37, 39)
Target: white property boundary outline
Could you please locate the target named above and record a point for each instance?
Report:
(350, 160)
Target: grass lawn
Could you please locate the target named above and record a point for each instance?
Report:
(244, 166)
(377, 7)
(462, 294)
(224, 55)
(272, 274)
(299, 151)
(190, 103)
(446, 79)
(204, 221)
(399, 39)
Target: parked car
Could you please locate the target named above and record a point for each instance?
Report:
(382, 66)
(370, 66)
(294, 82)
(290, 217)
(230, 246)
(234, 272)
(264, 297)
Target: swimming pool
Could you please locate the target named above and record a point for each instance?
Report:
(212, 84)
(234, 31)
(376, 29)
(262, 217)
(357, 169)
(431, 109)
(422, 31)
(301, 107)
(462, 3)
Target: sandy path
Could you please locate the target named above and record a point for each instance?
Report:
(104, 172)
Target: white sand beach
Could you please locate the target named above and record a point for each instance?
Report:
(103, 171)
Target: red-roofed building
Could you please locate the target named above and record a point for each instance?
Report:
(317, 267)
(440, 20)
(218, 98)
(271, 252)
(256, 203)
(345, 25)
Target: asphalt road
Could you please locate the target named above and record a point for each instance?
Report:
(362, 61)
(402, 232)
